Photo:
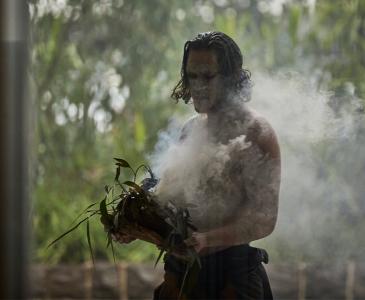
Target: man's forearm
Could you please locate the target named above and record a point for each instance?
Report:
(240, 232)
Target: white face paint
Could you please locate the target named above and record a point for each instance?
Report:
(206, 84)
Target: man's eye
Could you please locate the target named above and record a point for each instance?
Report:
(209, 76)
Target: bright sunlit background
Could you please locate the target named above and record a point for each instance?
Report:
(102, 73)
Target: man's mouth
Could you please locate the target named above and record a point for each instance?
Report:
(200, 98)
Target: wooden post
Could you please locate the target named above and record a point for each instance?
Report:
(350, 280)
(122, 269)
(302, 281)
(47, 294)
(88, 279)
(14, 132)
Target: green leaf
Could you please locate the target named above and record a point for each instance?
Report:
(159, 256)
(191, 276)
(183, 281)
(67, 232)
(195, 256)
(106, 222)
(117, 174)
(116, 220)
(138, 169)
(180, 222)
(122, 163)
(112, 247)
(135, 186)
(109, 240)
(86, 210)
(89, 241)
(103, 210)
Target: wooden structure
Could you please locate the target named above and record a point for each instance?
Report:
(137, 281)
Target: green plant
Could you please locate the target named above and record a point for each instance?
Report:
(132, 208)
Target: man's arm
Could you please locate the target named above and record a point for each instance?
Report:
(258, 215)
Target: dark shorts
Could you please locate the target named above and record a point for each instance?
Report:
(234, 273)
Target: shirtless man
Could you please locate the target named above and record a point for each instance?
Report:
(212, 76)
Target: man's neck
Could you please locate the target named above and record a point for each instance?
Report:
(227, 111)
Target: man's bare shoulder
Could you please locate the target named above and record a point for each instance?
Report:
(261, 132)
(189, 125)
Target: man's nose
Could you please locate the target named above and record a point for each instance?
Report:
(199, 86)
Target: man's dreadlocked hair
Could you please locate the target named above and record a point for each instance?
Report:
(229, 59)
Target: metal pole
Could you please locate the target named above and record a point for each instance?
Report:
(13, 148)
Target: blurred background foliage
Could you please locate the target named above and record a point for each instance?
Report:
(102, 72)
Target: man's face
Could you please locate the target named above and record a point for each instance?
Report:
(206, 84)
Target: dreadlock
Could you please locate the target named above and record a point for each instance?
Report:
(229, 59)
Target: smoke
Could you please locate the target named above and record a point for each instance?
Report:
(194, 174)
(321, 197)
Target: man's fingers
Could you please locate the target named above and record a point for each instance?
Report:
(191, 242)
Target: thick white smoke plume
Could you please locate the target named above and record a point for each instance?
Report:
(198, 172)
(321, 198)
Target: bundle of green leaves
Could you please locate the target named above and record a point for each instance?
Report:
(133, 209)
